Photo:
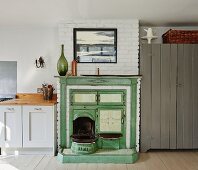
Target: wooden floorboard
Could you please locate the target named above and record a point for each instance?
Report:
(187, 160)
(43, 163)
(54, 164)
(34, 162)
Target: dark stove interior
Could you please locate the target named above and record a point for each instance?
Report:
(83, 130)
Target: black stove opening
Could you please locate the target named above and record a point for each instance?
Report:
(83, 130)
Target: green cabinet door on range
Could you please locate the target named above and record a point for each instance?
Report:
(112, 121)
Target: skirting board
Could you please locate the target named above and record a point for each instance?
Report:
(27, 151)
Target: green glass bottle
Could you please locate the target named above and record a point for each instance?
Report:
(62, 65)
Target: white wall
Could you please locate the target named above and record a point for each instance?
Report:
(24, 45)
(127, 45)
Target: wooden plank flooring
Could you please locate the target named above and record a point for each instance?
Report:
(186, 160)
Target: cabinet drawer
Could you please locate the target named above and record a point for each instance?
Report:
(110, 143)
(110, 97)
(84, 97)
(38, 108)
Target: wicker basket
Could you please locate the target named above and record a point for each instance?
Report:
(180, 37)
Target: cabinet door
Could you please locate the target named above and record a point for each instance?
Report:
(84, 97)
(10, 126)
(109, 97)
(158, 67)
(110, 120)
(187, 97)
(38, 126)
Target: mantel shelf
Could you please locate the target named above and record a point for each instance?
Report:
(99, 76)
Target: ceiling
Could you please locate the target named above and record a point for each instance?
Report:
(149, 12)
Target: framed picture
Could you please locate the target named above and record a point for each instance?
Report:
(95, 45)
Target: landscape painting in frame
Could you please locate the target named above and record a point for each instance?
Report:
(92, 45)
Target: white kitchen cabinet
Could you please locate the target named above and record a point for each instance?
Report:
(10, 126)
(28, 129)
(38, 126)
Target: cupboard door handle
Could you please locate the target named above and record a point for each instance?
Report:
(5, 131)
(5, 126)
(10, 109)
(37, 108)
(30, 127)
(179, 85)
(122, 120)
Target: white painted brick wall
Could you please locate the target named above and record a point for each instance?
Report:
(127, 45)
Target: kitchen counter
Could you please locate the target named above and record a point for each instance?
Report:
(30, 99)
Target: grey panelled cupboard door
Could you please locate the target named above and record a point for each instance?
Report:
(165, 97)
(173, 97)
(155, 97)
(168, 97)
(145, 70)
(158, 67)
(187, 97)
(195, 95)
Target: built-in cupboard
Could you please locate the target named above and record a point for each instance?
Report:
(169, 96)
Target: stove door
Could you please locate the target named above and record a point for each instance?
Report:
(111, 120)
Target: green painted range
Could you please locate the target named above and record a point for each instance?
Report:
(98, 119)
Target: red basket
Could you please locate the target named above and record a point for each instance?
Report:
(180, 37)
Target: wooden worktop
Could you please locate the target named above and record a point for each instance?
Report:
(30, 99)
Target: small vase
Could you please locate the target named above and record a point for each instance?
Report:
(62, 65)
(74, 68)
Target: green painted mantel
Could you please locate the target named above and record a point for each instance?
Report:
(130, 156)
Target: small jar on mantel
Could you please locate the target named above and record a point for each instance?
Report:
(74, 67)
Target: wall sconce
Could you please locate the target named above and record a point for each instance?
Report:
(40, 62)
